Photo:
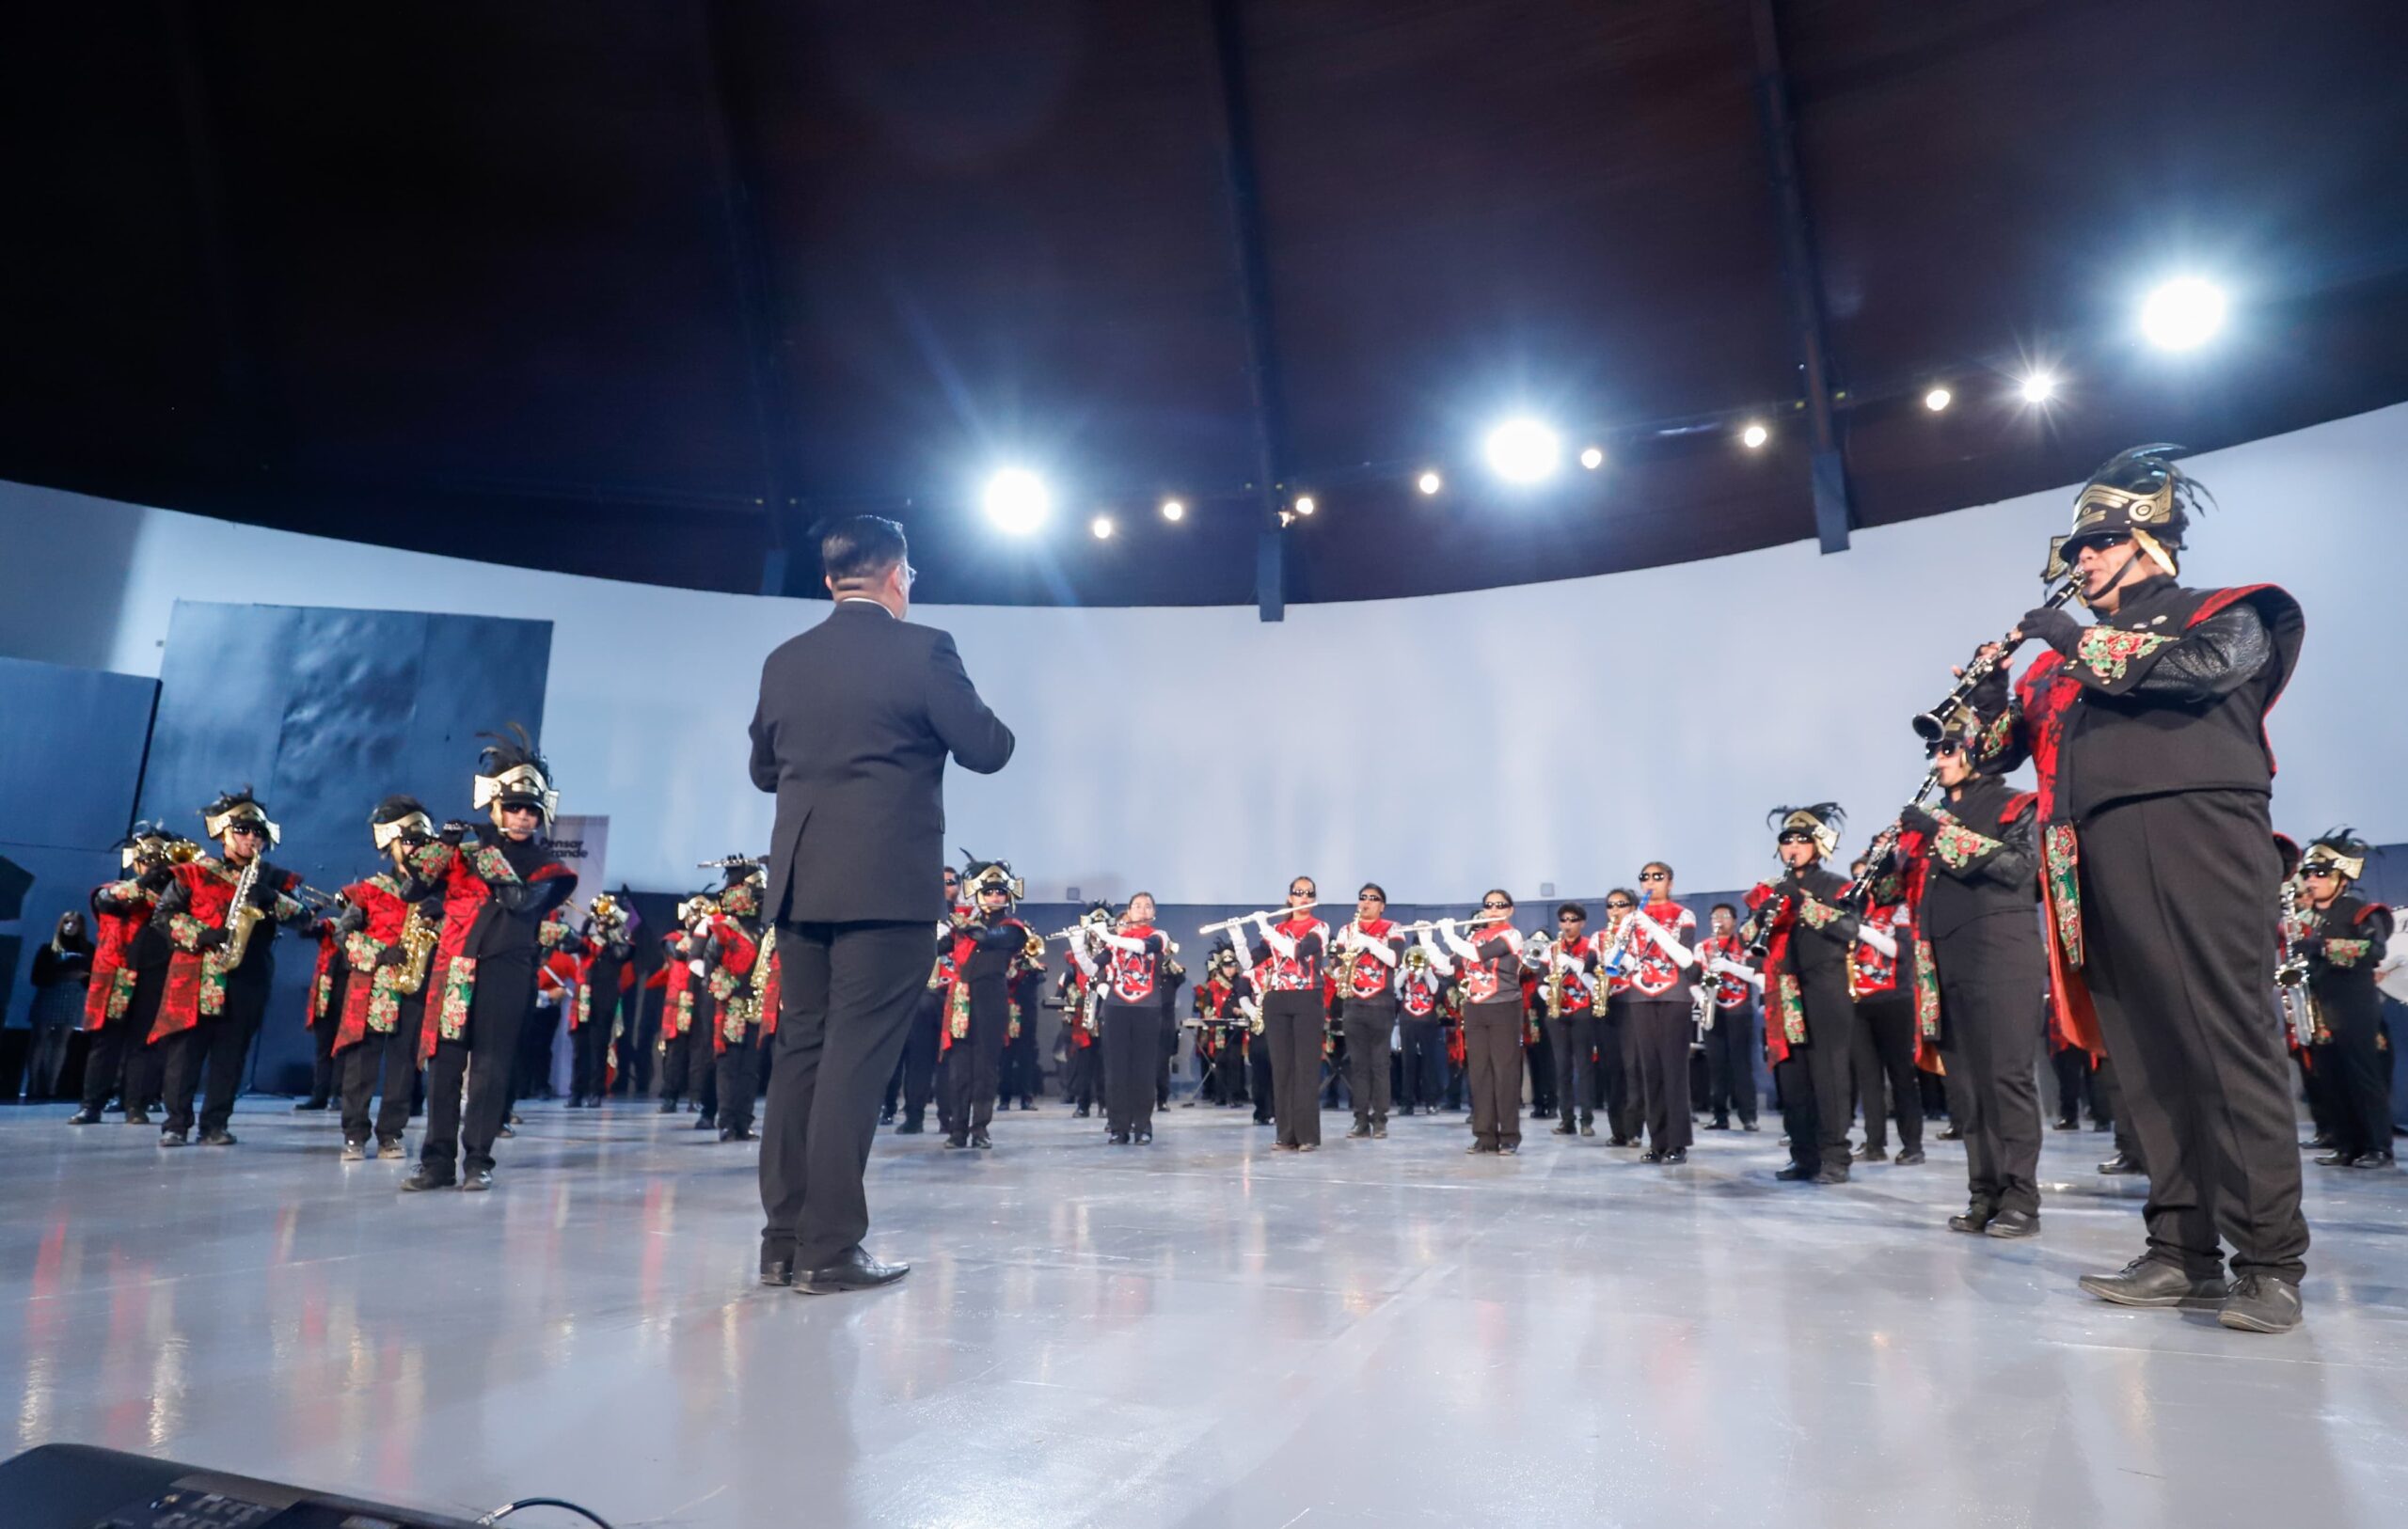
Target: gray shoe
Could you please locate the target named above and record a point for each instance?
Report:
(2260, 1304)
(2150, 1282)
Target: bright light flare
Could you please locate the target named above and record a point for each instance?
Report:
(1102, 527)
(1173, 510)
(1305, 505)
(1754, 436)
(1430, 482)
(2038, 387)
(1593, 459)
(1524, 451)
(2183, 314)
(1017, 500)
(1938, 399)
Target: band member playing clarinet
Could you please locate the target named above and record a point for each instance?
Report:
(1489, 955)
(1805, 933)
(1368, 952)
(1295, 948)
(2146, 732)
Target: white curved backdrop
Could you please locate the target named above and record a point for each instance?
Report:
(1555, 732)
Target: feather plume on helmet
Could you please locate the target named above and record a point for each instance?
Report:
(511, 773)
(2336, 852)
(1820, 821)
(2141, 493)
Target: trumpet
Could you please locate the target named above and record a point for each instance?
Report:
(1931, 724)
(1274, 914)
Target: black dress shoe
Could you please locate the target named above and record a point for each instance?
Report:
(138, 1117)
(173, 1139)
(911, 1128)
(2260, 1304)
(1360, 1129)
(1587, 1130)
(1380, 1132)
(1476, 1149)
(1081, 1114)
(957, 1143)
(388, 1147)
(1028, 1104)
(668, 1107)
(505, 1134)
(776, 1269)
(987, 1143)
(855, 1270)
(515, 1119)
(2150, 1282)
(2121, 1163)
(1871, 1154)
(477, 1181)
(1675, 1158)
(1946, 1133)
(427, 1178)
(707, 1120)
(1651, 1155)
(1122, 1139)
(1620, 1140)
(1751, 1126)
(1309, 1146)
(1404, 1111)
(2316, 1143)
(1566, 1130)
(84, 1117)
(2065, 1124)
(2337, 1160)
(308, 1105)
(1145, 1139)
(2014, 1223)
(1831, 1174)
(1717, 1124)
(1975, 1219)
(886, 1116)
(735, 1133)
(219, 1138)
(355, 1152)
(1797, 1172)
(2373, 1159)
(1911, 1158)
(1509, 1150)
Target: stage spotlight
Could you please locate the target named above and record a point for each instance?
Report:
(1429, 483)
(1754, 436)
(2038, 387)
(1522, 451)
(1101, 526)
(1173, 510)
(1305, 505)
(2183, 314)
(1017, 500)
(1938, 399)
(1593, 459)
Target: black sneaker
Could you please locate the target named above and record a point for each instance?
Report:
(1676, 1157)
(388, 1149)
(218, 1138)
(2260, 1304)
(428, 1178)
(1911, 1158)
(84, 1117)
(355, 1152)
(173, 1139)
(2150, 1282)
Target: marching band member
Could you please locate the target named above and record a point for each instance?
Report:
(220, 916)
(323, 1010)
(1809, 1022)
(498, 890)
(1081, 1064)
(739, 983)
(1660, 1025)
(605, 977)
(2146, 730)
(987, 959)
(390, 935)
(1222, 1031)
(1295, 951)
(122, 912)
(1421, 996)
(1617, 1080)
(1017, 1076)
(1564, 970)
(1369, 954)
(915, 1070)
(1126, 962)
(1730, 1043)
(2343, 938)
(1978, 884)
(1881, 977)
(1253, 984)
(1491, 962)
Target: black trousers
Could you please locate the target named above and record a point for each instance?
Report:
(1266, 1086)
(1492, 1071)
(221, 1045)
(1017, 1075)
(1167, 1049)
(385, 1065)
(2071, 1066)
(1424, 1080)
(1885, 1048)
(1659, 1031)
(1573, 1038)
(322, 1049)
(1132, 1047)
(975, 1063)
(1540, 1054)
(2360, 1071)
(2111, 1098)
(849, 992)
(914, 1077)
(463, 1122)
(1291, 1039)
(1228, 1068)
(738, 1074)
(1730, 1064)
(1368, 1028)
(2175, 893)
(1079, 1075)
(530, 1076)
(589, 1043)
(1617, 1069)
(1991, 974)
(117, 1061)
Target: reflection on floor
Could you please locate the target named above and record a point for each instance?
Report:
(1199, 1333)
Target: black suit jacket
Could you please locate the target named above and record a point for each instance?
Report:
(856, 718)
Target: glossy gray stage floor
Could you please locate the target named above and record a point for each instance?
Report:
(1199, 1333)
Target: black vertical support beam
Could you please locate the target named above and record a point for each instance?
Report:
(248, 445)
(777, 418)
(1268, 392)
(1802, 275)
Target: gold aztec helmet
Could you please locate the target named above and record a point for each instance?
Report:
(983, 875)
(510, 773)
(236, 808)
(2140, 494)
(1818, 824)
(2337, 852)
(149, 841)
(398, 818)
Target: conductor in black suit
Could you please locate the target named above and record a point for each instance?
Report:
(856, 717)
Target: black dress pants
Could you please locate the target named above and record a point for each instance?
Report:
(1990, 976)
(1132, 1054)
(2071, 1066)
(1617, 1069)
(1493, 1072)
(1659, 1031)
(1730, 1064)
(383, 1063)
(738, 1076)
(322, 1049)
(1424, 1080)
(1079, 1075)
(1016, 1075)
(2175, 894)
(1574, 1040)
(1830, 1072)
(1539, 1055)
(531, 1077)
(679, 1078)
(1368, 1028)
(1885, 1049)
(1259, 1073)
(916, 1071)
(849, 992)
(117, 1061)
(220, 1044)
(462, 1122)
(974, 1066)
(589, 1043)
(1293, 1028)
(2360, 1070)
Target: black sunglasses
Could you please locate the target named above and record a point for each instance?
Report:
(1653, 875)
(1495, 908)
(1618, 906)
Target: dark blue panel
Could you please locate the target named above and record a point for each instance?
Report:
(324, 712)
(70, 752)
(62, 879)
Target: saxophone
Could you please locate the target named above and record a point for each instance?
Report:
(1347, 961)
(420, 936)
(2302, 1016)
(242, 917)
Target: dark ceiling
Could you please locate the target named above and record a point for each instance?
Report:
(641, 290)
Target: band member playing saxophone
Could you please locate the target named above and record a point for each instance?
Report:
(1567, 965)
(1369, 954)
(390, 937)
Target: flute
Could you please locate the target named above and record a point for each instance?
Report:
(1275, 914)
